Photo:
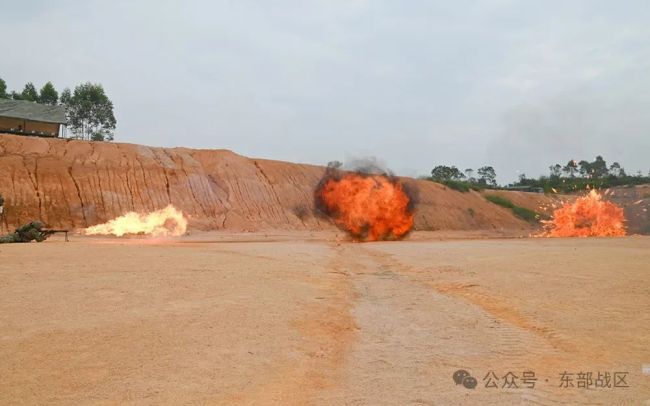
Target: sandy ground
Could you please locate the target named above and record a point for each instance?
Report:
(306, 319)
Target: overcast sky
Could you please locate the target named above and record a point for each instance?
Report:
(515, 84)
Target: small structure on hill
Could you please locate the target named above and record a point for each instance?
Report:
(526, 189)
(28, 118)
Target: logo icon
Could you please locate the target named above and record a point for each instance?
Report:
(463, 377)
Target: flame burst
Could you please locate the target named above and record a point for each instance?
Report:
(167, 222)
(369, 207)
(588, 216)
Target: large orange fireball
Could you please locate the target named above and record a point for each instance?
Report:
(588, 216)
(167, 222)
(369, 207)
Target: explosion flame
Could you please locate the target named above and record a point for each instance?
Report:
(369, 207)
(167, 222)
(588, 216)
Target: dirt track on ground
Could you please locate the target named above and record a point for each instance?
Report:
(294, 320)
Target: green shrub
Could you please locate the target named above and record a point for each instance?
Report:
(501, 201)
(521, 212)
(525, 214)
(456, 185)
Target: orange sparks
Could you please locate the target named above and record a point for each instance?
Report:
(167, 222)
(369, 207)
(588, 216)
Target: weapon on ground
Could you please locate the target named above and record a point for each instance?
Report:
(49, 231)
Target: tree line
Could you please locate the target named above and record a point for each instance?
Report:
(578, 175)
(88, 109)
(484, 176)
(575, 175)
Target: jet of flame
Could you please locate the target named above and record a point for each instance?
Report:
(369, 207)
(167, 222)
(588, 216)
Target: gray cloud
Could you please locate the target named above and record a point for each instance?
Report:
(514, 84)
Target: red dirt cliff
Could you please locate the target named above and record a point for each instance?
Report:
(75, 184)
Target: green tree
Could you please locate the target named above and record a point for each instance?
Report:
(469, 174)
(66, 96)
(571, 168)
(617, 170)
(599, 167)
(48, 94)
(556, 170)
(29, 93)
(3, 89)
(585, 168)
(442, 173)
(487, 175)
(90, 112)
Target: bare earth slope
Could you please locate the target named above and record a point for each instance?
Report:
(70, 183)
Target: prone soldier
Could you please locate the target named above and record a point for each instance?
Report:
(33, 231)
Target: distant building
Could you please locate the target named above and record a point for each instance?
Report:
(29, 118)
(526, 189)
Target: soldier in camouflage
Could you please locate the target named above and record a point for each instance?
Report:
(29, 232)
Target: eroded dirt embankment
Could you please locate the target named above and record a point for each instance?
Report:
(71, 183)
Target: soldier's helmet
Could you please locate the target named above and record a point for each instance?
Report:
(34, 225)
